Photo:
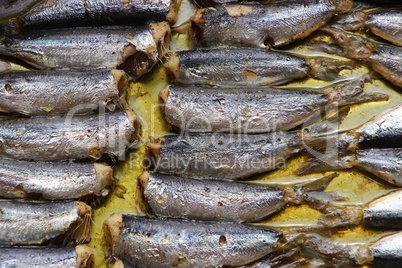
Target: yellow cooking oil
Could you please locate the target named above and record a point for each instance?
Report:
(357, 187)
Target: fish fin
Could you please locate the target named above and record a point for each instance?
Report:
(351, 91)
(328, 69)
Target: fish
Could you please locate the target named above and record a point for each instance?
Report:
(53, 180)
(228, 155)
(4, 66)
(220, 200)
(374, 147)
(10, 8)
(79, 13)
(59, 92)
(255, 110)
(28, 257)
(134, 49)
(383, 58)
(383, 252)
(385, 212)
(160, 242)
(254, 25)
(34, 223)
(247, 67)
(68, 137)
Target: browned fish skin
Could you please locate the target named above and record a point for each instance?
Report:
(54, 92)
(29, 223)
(136, 49)
(137, 241)
(78, 13)
(255, 25)
(56, 138)
(386, 23)
(53, 180)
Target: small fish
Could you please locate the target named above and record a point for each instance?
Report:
(276, 24)
(385, 212)
(383, 253)
(133, 49)
(51, 257)
(79, 13)
(374, 147)
(152, 242)
(220, 200)
(68, 137)
(255, 110)
(30, 223)
(10, 8)
(384, 59)
(53, 180)
(228, 155)
(60, 92)
(247, 67)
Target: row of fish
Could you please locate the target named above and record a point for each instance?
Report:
(83, 70)
(200, 215)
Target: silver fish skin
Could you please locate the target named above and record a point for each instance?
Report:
(29, 223)
(220, 200)
(53, 180)
(387, 24)
(236, 66)
(152, 242)
(277, 23)
(79, 13)
(10, 8)
(209, 199)
(59, 92)
(384, 163)
(223, 155)
(384, 130)
(386, 252)
(56, 257)
(385, 212)
(135, 48)
(69, 137)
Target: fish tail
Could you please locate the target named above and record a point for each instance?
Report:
(329, 149)
(328, 69)
(351, 92)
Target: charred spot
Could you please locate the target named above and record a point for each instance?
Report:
(222, 240)
(180, 261)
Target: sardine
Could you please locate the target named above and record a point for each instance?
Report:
(35, 257)
(79, 13)
(10, 8)
(383, 253)
(228, 155)
(246, 67)
(134, 49)
(387, 24)
(220, 200)
(29, 223)
(385, 212)
(150, 242)
(382, 134)
(56, 138)
(53, 180)
(276, 24)
(59, 92)
(384, 59)
(254, 110)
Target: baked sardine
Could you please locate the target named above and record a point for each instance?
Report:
(134, 49)
(28, 223)
(257, 109)
(247, 67)
(151, 242)
(31, 257)
(56, 138)
(79, 13)
(220, 200)
(60, 92)
(53, 180)
(275, 24)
